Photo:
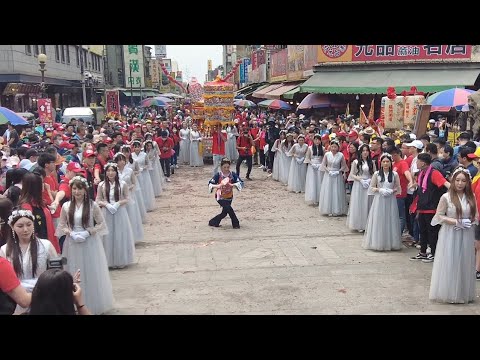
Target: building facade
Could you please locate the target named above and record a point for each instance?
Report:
(20, 78)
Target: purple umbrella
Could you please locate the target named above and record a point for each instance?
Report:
(315, 101)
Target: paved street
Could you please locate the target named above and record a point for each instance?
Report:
(285, 259)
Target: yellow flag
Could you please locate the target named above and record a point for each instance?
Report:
(363, 118)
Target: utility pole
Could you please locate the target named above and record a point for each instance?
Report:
(82, 70)
(131, 85)
(104, 77)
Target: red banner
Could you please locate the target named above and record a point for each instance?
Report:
(254, 61)
(279, 63)
(45, 111)
(261, 57)
(113, 101)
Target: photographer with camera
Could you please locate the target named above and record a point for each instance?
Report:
(56, 293)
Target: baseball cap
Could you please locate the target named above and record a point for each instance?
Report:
(417, 143)
(88, 153)
(66, 145)
(108, 140)
(74, 166)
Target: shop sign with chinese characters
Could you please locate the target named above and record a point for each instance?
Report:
(133, 55)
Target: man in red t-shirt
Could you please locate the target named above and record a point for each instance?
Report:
(244, 147)
(11, 291)
(165, 144)
(401, 167)
(254, 132)
(219, 139)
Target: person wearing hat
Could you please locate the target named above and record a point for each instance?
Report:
(465, 158)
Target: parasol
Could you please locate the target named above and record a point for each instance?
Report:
(445, 100)
(7, 115)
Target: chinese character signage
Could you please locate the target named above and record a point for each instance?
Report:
(45, 111)
(246, 62)
(242, 72)
(278, 67)
(160, 51)
(295, 62)
(154, 71)
(113, 101)
(134, 67)
(376, 53)
(254, 61)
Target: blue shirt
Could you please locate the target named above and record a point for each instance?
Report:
(472, 170)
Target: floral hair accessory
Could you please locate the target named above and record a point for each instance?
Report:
(78, 178)
(112, 164)
(461, 169)
(16, 214)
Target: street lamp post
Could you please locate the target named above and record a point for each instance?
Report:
(42, 61)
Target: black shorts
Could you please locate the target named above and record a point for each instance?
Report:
(477, 232)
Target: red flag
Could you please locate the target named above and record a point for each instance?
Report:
(371, 113)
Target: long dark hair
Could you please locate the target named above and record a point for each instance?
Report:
(286, 142)
(354, 155)
(127, 149)
(317, 150)
(15, 253)
(107, 183)
(145, 145)
(468, 194)
(390, 170)
(6, 207)
(53, 294)
(360, 160)
(32, 188)
(73, 202)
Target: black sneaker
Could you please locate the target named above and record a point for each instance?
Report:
(478, 275)
(429, 258)
(419, 257)
(248, 178)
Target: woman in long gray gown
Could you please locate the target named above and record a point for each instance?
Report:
(361, 174)
(184, 156)
(333, 199)
(196, 159)
(82, 222)
(382, 232)
(453, 273)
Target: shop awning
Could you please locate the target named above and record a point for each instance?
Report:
(289, 94)
(135, 93)
(261, 93)
(275, 94)
(377, 81)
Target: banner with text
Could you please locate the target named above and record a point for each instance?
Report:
(134, 67)
(113, 101)
(278, 65)
(45, 111)
(379, 53)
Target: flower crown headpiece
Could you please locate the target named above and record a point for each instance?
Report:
(19, 214)
(124, 147)
(112, 164)
(136, 142)
(334, 142)
(462, 170)
(117, 155)
(148, 141)
(148, 133)
(386, 155)
(78, 178)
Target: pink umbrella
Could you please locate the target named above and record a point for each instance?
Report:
(314, 101)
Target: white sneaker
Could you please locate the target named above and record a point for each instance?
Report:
(177, 167)
(260, 167)
(168, 180)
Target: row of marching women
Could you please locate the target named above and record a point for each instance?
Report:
(400, 189)
(83, 198)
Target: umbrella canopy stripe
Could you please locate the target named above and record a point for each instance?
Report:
(279, 105)
(157, 101)
(8, 116)
(449, 98)
(244, 103)
(265, 103)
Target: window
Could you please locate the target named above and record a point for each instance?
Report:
(28, 49)
(94, 66)
(62, 47)
(67, 51)
(35, 50)
(44, 49)
(57, 53)
(77, 54)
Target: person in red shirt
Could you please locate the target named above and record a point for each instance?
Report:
(376, 146)
(254, 132)
(244, 147)
(11, 291)
(176, 148)
(219, 138)
(165, 145)
(401, 167)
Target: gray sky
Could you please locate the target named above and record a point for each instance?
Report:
(192, 59)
